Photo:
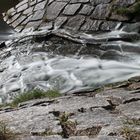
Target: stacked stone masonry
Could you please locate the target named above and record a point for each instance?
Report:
(84, 15)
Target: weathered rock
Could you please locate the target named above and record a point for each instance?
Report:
(54, 10)
(101, 11)
(96, 2)
(75, 22)
(79, 1)
(128, 108)
(41, 138)
(86, 10)
(91, 25)
(94, 9)
(71, 9)
(124, 3)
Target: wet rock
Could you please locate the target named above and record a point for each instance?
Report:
(108, 25)
(132, 27)
(117, 17)
(113, 55)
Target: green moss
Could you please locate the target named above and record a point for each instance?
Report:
(68, 126)
(129, 11)
(35, 94)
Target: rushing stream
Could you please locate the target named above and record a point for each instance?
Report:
(85, 63)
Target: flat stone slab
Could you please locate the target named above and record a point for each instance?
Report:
(95, 114)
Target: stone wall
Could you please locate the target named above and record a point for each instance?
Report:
(84, 15)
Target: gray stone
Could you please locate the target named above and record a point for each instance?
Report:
(34, 24)
(28, 11)
(33, 2)
(51, 1)
(133, 27)
(42, 138)
(71, 9)
(21, 8)
(95, 118)
(119, 96)
(101, 11)
(13, 18)
(109, 138)
(64, 1)
(123, 3)
(91, 25)
(75, 22)
(38, 15)
(79, 138)
(60, 21)
(26, 20)
(86, 10)
(11, 12)
(40, 6)
(108, 25)
(18, 21)
(21, 3)
(54, 10)
(46, 25)
(96, 2)
(38, 1)
(130, 110)
(116, 17)
(79, 1)
(19, 28)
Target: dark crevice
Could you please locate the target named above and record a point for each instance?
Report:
(110, 107)
(131, 100)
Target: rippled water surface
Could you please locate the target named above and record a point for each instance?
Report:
(90, 62)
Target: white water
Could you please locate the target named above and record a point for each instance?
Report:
(71, 73)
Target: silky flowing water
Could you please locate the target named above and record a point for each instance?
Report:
(117, 59)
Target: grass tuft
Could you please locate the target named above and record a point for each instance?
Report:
(129, 11)
(34, 94)
(5, 132)
(129, 131)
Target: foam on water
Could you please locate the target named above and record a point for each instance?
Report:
(70, 73)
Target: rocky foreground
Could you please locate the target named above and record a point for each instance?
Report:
(109, 113)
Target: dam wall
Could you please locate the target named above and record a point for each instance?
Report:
(76, 15)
